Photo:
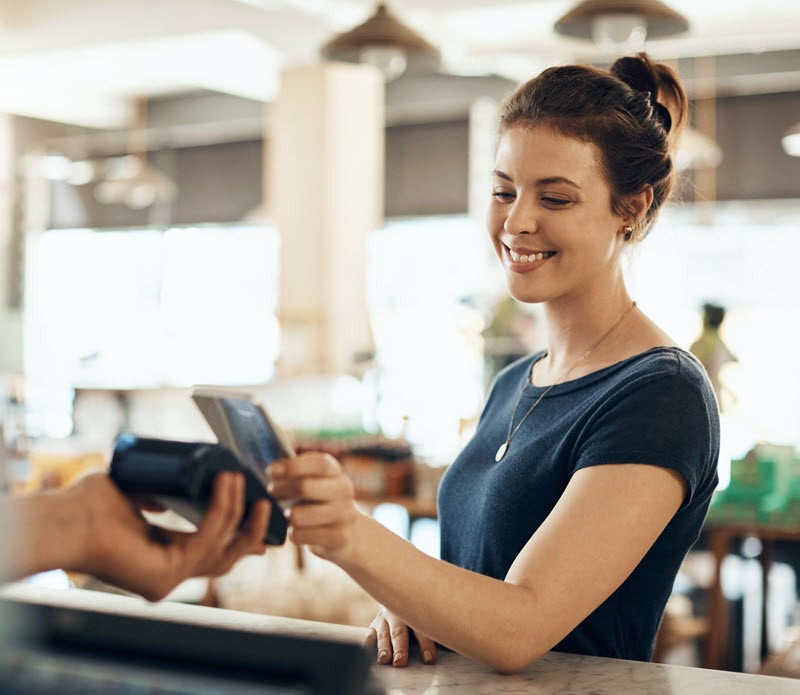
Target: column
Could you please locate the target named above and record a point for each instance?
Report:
(325, 184)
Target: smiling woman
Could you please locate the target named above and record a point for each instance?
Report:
(566, 517)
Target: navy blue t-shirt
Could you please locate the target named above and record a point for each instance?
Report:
(655, 408)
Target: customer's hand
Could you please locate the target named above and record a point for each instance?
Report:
(325, 516)
(121, 548)
(388, 635)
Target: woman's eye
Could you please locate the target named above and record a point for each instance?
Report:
(502, 195)
(556, 201)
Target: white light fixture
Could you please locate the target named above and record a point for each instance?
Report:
(383, 41)
(53, 167)
(611, 30)
(390, 60)
(58, 167)
(791, 141)
(130, 179)
(619, 22)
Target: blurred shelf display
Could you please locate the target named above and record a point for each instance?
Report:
(764, 489)
(384, 470)
(377, 465)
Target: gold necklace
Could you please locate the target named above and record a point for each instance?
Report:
(501, 452)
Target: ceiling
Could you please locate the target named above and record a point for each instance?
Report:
(84, 61)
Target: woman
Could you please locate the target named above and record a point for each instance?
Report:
(565, 519)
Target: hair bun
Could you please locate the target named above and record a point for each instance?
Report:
(663, 115)
(637, 72)
(641, 74)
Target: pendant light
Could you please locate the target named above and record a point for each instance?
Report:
(621, 22)
(791, 141)
(383, 41)
(130, 179)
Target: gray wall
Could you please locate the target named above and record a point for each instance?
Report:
(217, 183)
(426, 169)
(749, 130)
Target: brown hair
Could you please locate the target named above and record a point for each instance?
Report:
(620, 113)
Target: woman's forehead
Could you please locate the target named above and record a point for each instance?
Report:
(543, 152)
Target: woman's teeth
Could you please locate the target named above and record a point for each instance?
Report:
(519, 258)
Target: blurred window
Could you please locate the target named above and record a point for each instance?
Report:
(148, 308)
(423, 276)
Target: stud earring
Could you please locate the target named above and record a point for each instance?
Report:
(628, 232)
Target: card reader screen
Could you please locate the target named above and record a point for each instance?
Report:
(256, 439)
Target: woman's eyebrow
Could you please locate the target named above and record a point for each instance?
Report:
(541, 182)
(557, 179)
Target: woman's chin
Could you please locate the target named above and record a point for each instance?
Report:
(527, 295)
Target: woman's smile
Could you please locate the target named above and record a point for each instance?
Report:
(525, 260)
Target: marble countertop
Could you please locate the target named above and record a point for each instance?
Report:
(566, 674)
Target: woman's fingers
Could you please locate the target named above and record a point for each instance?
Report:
(311, 476)
(325, 516)
(308, 464)
(321, 539)
(427, 648)
(384, 640)
(390, 636)
(322, 514)
(398, 632)
(319, 489)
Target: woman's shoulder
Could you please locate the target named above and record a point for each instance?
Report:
(667, 360)
(670, 365)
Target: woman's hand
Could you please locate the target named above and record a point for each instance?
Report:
(120, 547)
(325, 517)
(389, 636)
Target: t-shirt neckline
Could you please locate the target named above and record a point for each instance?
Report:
(587, 379)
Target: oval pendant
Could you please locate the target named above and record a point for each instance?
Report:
(501, 451)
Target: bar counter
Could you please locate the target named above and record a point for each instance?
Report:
(553, 673)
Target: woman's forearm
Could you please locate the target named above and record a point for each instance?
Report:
(506, 624)
(483, 618)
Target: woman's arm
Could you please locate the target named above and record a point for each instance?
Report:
(92, 527)
(601, 528)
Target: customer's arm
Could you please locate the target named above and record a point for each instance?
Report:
(598, 532)
(92, 527)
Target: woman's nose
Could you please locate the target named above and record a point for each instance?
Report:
(521, 219)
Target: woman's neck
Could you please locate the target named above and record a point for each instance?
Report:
(575, 326)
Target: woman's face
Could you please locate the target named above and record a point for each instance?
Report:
(550, 218)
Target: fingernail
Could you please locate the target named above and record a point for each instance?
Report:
(277, 469)
(383, 655)
(270, 488)
(398, 656)
(427, 656)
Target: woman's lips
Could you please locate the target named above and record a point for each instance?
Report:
(526, 259)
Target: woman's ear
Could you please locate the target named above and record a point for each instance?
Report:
(638, 205)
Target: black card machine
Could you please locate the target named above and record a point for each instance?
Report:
(180, 476)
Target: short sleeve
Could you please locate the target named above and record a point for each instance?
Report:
(665, 421)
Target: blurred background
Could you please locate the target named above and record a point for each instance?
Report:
(287, 196)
